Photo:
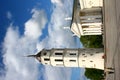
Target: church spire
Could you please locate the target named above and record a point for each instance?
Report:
(32, 56)
(37, 56)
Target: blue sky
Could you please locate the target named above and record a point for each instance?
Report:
(26, 27)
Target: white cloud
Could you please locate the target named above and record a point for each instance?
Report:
(34, 26)
(16, 46)
(9, 15)
(17, 66)
(58, 2)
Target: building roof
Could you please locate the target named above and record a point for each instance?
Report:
(75, 28)
(73, 11)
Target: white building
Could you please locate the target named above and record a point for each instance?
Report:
(86, 58)
(87, 17)
(90, 3)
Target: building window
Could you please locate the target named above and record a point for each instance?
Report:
(46, 59)
(91, 54)
(83, 54)
(58, 53)
(44, 53)
(72, 60)
(83, 60)
(58, 60)
(78, 4)
(91, 61)
(72, 53)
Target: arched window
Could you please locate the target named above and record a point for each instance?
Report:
(60, 60)
(72, 60)
(58, 53)
(72, 53)
(46, 59)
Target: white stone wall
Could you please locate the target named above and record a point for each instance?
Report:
(89, 15)
(71, 58)
(89, 58)
(56, 57)
(90, 3)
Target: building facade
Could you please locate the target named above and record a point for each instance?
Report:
(86, 57)
(87, 17)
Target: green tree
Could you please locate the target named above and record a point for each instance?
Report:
(94, 74)
(94, 41)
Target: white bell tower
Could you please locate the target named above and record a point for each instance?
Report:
(86, 57)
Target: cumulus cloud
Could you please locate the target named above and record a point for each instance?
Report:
(34, 26)
(9, 15)
(58, 2)
(16, 46)
(17, 66)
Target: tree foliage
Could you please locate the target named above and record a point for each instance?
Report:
(94, 74)
(94, 41)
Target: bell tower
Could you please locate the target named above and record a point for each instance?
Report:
(82, 57)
